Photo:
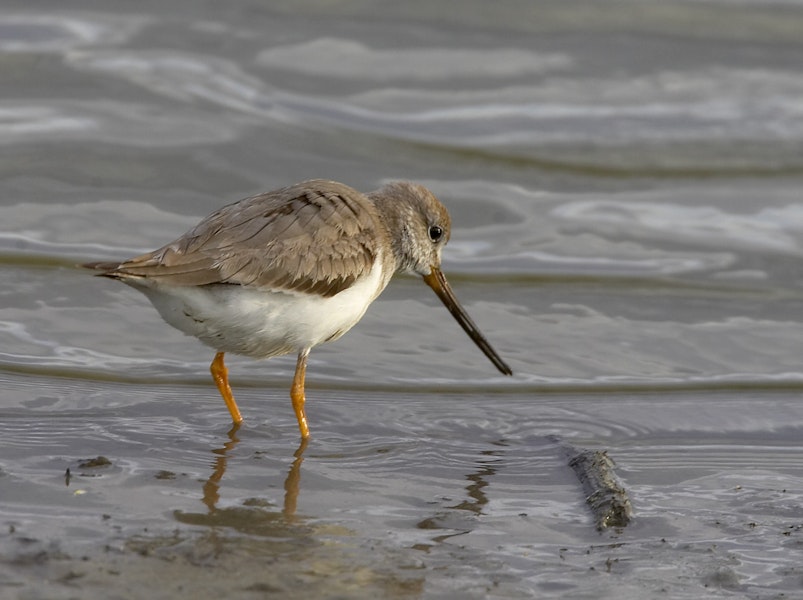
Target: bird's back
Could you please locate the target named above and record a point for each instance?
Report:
(316, 237)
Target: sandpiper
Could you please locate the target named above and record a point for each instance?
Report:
(290, 269)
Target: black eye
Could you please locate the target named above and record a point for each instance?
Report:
(435, 233)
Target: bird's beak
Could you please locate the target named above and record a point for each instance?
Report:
(437, 281)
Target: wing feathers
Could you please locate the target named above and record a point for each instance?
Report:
(316, 237)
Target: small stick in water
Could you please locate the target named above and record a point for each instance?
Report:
(605, 494)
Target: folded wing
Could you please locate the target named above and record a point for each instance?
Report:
(316, 237)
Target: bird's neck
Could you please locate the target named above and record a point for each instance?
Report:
(397, 221)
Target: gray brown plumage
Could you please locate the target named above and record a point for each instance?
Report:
(290, 269)
(265, 241)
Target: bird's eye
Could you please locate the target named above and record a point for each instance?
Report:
(435, 233)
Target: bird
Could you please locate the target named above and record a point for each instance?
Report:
(290, 269)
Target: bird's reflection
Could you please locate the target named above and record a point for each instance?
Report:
(254, 516)
(455, 523)
(212, 486)
(477, 499)
(269, 547)
(293, 480)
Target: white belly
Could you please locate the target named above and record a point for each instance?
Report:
(261, 323)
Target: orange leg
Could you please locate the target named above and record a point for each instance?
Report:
(221, 376)
(297, 393)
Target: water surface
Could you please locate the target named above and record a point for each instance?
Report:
(625, 191)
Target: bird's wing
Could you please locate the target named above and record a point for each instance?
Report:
(316, 237)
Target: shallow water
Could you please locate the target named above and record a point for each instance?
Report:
(625, 191)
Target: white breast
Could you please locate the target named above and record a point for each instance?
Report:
(262, 323)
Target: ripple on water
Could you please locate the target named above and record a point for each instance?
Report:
(703, 224)
(185, 77)
(41, 32)
(345, 58)
(451, 473)
(111, 122)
